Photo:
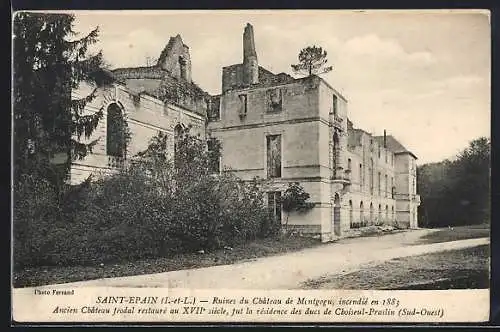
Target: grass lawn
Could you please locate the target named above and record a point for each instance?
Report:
(457, 233)
(260, 248)
(454, 269)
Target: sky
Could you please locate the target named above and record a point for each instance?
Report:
(424, 76)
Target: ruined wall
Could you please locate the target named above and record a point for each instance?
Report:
(408, 201)
(299, 100)
(152, 72)
(145, 115)
(233, 77)
(175, 59)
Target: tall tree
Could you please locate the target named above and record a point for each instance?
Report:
(312, 61)
(472, 178)
(49, 62)
(457, 192)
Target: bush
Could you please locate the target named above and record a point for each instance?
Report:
(35, 208)
(149, 209)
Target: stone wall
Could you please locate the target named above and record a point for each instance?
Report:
(174, 57)
(145, 115)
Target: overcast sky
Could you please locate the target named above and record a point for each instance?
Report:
(422, 76)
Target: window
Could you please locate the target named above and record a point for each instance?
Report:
(335, 106)
(378, 182)
(386, 153)
(371, 214)
(214, 155)
(336, 153)
(392, 187)
(370, 174)
(274, 205)
(379, 151)
(116, 132)
(178, 134)
(362, 214)
(351, 217)
(361, 177)
(386, 213)
(243, 106)
(183, 67)
(379, 219)
(275, 100)
(385, 183)
(213, 109)
(273, 156)
(349, 164)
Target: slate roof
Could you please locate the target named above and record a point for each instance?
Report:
(393, 145)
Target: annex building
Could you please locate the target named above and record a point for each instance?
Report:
(271, 126)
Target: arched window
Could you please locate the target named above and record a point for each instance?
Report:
(351, 219)
(370, 174)
(334, 106)
(361, 177)
(379, 214)
(361, 214)
(116, 144)
(386, 213)
(178, 131)
(182, 67)
(379, 179)
(385, 183)
(335, 156)
(336, 211)
(371, 214)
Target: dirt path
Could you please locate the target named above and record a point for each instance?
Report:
(290, 270)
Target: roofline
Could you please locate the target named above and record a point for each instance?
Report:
(334, 90)
(406, 152)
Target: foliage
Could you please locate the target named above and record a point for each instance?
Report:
(49, 62)
(312, 61)
(155, 207)
(294, 199)
(457, 192)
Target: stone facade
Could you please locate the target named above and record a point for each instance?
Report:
(151, 100)
(274, 127)
(354, 178)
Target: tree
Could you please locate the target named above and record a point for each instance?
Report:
(312, 61)
(49, 62)
(472, 181)
(457, 192)
(295, 200)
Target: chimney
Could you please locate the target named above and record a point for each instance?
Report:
(250, 63)
(385, 139)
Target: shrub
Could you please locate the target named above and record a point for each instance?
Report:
(35, 208)
(154, 207)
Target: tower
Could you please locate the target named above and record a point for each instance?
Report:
(250, 63)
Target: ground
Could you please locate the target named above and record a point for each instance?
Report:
(260, 248)
(289, 268)
(456, 269)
